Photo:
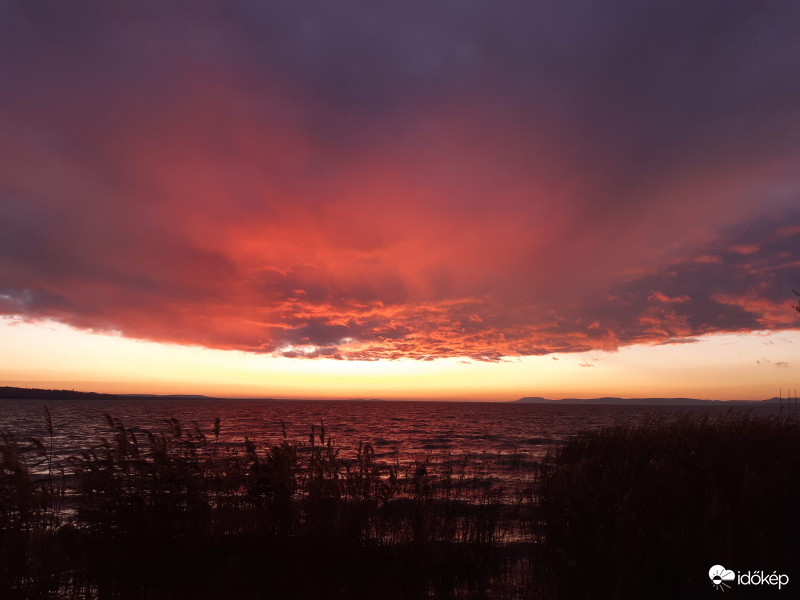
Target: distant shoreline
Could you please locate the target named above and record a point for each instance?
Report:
(649, 401)
(19, 393)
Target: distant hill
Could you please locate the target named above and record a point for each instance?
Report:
(18, 393)
(641, 401)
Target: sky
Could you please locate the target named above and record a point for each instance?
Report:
(471, 199)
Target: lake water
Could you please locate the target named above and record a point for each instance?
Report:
(398, 431)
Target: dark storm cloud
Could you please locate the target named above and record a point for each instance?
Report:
(377, 180)
(740, 281)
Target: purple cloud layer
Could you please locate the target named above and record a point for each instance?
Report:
(386, 180)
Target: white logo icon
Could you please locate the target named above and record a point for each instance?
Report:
(719, 575)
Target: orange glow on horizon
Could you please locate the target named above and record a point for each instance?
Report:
(55, 356)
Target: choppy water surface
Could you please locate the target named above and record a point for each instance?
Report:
(401, 431)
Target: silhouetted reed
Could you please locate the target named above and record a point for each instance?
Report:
(634, 510)
(645, 509)
(173, 513)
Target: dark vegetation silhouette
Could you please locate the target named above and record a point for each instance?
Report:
(179, 513)
(634, 510)
(643, 510)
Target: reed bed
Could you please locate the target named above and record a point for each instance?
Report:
(180, 513)
(643, 510)
(635, 510)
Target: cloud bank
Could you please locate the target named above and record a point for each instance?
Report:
(401, 180)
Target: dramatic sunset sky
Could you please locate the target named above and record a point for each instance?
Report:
(463, 199)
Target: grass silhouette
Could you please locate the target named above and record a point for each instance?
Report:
(645, 509)
(634, 510)
(176, 513)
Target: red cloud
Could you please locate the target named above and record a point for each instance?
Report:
(330, 191)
